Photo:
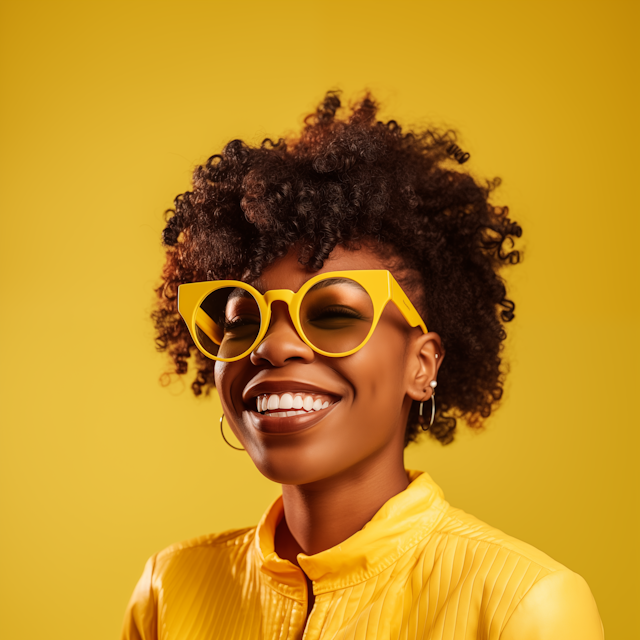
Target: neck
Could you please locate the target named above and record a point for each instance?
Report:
(321, 515)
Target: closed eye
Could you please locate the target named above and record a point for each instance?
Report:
(242, 321)
(336, 311)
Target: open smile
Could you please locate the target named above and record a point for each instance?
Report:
(289, 411)
(294, 403)
(282, 406)
(291, 421)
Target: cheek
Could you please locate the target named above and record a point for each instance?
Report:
(218, 374)
(223, 375)
(378, 375)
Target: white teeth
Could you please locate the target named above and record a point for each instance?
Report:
(286, 402)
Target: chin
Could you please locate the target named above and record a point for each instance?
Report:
(303, 453)
(295, 467)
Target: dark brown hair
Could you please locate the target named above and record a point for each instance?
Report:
(352, 179)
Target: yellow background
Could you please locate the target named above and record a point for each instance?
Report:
(106, 108)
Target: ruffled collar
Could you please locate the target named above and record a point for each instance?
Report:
(401, 523)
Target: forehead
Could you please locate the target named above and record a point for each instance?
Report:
(288, 273)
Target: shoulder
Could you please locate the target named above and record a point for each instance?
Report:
(523, 591)
(560, 605)
(186, 564)
(463, 526)
(227, 544)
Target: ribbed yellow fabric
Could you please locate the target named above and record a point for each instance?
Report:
(419, 569)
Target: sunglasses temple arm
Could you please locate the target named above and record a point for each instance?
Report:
(206, 325)
(188, 297)
(405, 306)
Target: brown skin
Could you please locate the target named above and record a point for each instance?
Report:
(338, 473)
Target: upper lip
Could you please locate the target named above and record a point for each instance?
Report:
(274, 385)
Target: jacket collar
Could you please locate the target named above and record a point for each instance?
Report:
(400, 524)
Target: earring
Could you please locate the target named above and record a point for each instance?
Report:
(222, 432)
(433, 384)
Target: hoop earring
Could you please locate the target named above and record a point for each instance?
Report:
(222, 432)
(433, 384)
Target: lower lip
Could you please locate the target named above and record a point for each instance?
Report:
(288, 424)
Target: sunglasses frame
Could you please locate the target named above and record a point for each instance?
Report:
(380, 284)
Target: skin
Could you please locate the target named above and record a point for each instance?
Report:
(336, 474)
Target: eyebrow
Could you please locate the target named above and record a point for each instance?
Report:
(331, 281)
(239, 293)
(259, 285)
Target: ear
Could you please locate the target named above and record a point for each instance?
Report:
(424, 358)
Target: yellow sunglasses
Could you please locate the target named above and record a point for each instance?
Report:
(334, 313)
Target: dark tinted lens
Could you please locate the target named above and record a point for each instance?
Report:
(336, 315)
(228, 322)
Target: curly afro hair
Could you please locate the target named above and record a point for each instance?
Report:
(350, 179)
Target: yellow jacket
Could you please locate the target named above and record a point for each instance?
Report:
(419, 569)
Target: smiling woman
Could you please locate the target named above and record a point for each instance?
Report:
(326, 286)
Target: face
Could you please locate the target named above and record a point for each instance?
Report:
(354, 408)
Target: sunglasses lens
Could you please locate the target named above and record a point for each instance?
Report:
(336, 315)
(228, 322)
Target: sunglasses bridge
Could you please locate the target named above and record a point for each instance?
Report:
(277, 295)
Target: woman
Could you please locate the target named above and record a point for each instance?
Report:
(329, 278)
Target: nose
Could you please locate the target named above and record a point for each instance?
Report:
(281, 343)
